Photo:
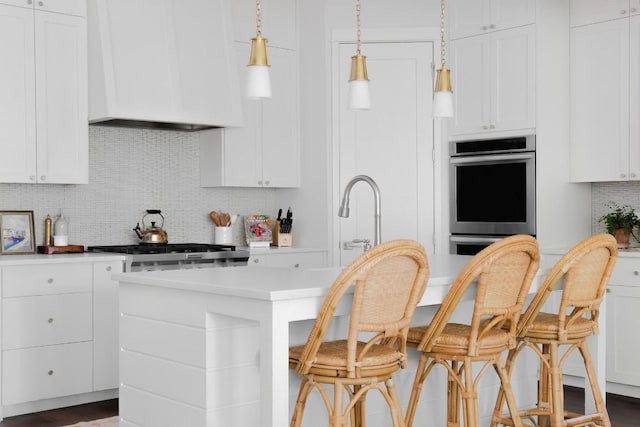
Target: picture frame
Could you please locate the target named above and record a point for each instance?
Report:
(17, 235)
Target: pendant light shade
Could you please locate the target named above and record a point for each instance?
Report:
(443, 93)
(258, 79)
(359, 96)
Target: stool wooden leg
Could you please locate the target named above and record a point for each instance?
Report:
(544, 385)
(453, 397)
(595, 387)
(557, 392)
(470, 396)
(416, 390)
(394, 404)
(305, 388)
(500, 399)
(508, 391)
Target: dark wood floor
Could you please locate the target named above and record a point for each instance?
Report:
(623, 411)
(64, 416)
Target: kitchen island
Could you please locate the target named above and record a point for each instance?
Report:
(209, 347)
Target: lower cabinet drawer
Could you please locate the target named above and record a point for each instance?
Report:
(46, 372)
(46, 320)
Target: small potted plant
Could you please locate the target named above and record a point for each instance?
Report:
(620, 223)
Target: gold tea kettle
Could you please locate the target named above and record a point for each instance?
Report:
(153, 234)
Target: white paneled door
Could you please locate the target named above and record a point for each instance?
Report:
(392, 143)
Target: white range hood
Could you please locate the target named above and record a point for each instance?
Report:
(162, 63)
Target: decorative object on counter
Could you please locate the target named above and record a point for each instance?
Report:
(48, 231)
(61, 231)
(282, 235)
(223, 222)
(57, 242)
(443, 93)
(359, 96)
(620, 223)
(154, 234)
(258, 79)
(257, 229)
(17, 232)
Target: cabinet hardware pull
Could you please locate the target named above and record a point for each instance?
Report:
(109, 268)
(40, 3)
(296, 266)
(43, 178)
(256, 260)
(50, 320)
(29, 2)
(50, 280)
(50, 372)
(636, 273)
(623, 12)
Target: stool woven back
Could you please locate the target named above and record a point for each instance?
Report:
(583, 273)
(387, 282)
(502, 274)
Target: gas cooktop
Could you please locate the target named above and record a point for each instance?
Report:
(159, 248)
(157, 256)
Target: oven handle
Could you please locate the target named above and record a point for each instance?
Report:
(468, 239)
(492, 158)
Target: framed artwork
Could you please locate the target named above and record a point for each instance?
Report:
(17, 233)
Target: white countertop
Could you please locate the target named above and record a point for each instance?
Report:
(633, 252)
(8, 260)
(268, 283)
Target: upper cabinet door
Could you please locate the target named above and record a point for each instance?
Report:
(61, 99)
(278, 22)
(590, 11)
(17, 84)
(472, 17)
(513, 103)
(471, 88)
(600, 113)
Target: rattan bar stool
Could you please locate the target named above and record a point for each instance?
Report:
(503, 273)
(583, 273)
(388, 281)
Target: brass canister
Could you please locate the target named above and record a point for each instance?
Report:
(48, 237)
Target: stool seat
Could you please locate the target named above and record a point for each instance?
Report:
(455, 339)
(331, 359)
(546, 326)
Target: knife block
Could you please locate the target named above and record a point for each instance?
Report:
(281, 239)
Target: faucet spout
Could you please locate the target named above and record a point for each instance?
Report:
(343, 212)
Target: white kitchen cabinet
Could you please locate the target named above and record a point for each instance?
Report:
(473, 17)
(43, 112)
(279, 22)
(105, 325)
(605, 123)
(265, 151)
(585, 12)
(302, 259)
(46, 332)
(494, 82)
(623, 318)
(59, 330)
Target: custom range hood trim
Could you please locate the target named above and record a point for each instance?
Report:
(162, 64)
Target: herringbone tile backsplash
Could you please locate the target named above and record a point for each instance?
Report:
(131, 170)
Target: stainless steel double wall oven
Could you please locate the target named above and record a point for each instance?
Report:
(493, 191)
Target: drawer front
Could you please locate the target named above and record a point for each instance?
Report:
(626, 272)
(46, 320)
(45, 372)
(46, 279)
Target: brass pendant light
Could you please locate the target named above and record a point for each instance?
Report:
(258, 79)
(443, 93)
(359, 97)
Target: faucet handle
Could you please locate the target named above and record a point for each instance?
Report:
(365, 244)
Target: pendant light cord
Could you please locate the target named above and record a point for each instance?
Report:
(443, 48)
(358, 33)
(258, 19)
